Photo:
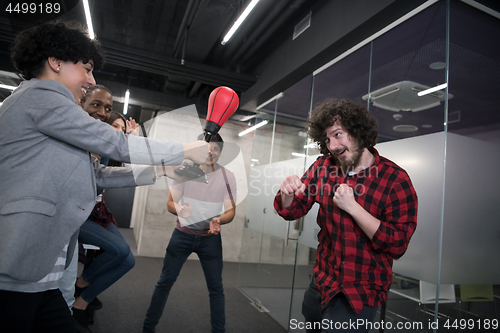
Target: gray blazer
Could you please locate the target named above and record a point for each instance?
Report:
(47, 179)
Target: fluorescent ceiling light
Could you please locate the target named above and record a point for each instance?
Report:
(89, 19)
(253, 128)
(238, 22)
(4, 86)
(125, 106)
(431, 90)
(247, 118)
(299, 155)
(270, 100)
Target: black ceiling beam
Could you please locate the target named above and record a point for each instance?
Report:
(186, 22)
(128, 57)
(233, 51)
(246, 53)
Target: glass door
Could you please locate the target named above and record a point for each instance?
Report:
(269, 244)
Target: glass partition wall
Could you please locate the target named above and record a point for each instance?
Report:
(269, 244)
(447, 140)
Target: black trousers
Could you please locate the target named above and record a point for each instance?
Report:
(336, 316)
(311, 308)
(42, 312)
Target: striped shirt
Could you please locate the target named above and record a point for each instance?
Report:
(347, 261)
(48, 282)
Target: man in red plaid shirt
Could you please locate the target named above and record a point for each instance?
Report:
(367, 214)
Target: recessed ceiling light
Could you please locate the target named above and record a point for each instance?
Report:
(433, 89)
(253, 128)
(437, 65)
(426, 126)
(405, 128)
(6, 86)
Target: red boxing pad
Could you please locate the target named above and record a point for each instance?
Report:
(222, 103)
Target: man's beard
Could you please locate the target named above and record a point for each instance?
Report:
(348, 165)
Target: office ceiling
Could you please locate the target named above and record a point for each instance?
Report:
(169, 53)
(171, 48)
(410, 56)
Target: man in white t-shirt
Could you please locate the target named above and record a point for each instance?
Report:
(201, 209)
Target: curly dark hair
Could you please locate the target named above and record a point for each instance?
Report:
(360, 124)
(64, 40)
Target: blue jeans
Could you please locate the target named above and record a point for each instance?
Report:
(209, 250)
(109, 266)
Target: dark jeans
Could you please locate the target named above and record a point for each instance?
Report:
(337, 316)
(42, 312)
(209, 250)
(109, 266)
(311, 308)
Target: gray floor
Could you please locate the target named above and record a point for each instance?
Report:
(125, 303)
(411, 317)
(187, 310)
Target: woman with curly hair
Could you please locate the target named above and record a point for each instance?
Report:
(47, 176)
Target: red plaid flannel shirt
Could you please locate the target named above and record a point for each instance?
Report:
(347, 261)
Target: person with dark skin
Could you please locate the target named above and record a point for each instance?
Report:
(100, 229)
(98, 102)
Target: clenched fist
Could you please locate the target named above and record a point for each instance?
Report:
(214, 226)
(291, 186)
(185, 210)
(344, 198)
(196, 151)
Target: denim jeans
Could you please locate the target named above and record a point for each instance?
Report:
(336, 316)
(340, 316)
(209, 250)
(109, 266)
(311, 309)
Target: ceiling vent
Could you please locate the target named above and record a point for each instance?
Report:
(402, 96)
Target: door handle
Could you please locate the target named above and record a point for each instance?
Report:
(287, 231)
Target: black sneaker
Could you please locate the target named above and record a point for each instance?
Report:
(78, 290)
(80, 318)
(96, 304)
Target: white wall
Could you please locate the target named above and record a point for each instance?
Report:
(471, 222)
